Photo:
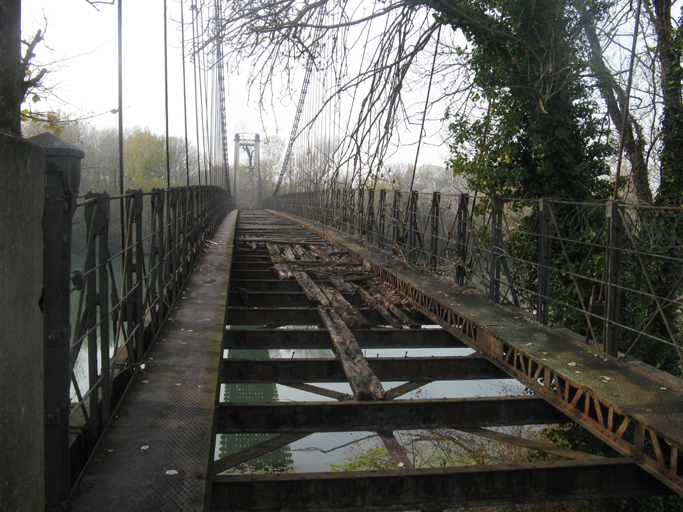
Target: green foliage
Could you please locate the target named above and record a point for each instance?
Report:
(145, 159)
(365, 459)
(536, 134)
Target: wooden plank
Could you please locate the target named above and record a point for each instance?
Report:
(379, 307)
(281, 267)
(311, 289)
(387, 303)
(341, 285)
(324, 255)
(350, 315)
(289, 254)
(364, 383)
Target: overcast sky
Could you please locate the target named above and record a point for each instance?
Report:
(82, 41)
(87, 80)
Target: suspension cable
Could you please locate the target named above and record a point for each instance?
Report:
(424, 112)
(168, 146)
(182, 44)
(196, 103)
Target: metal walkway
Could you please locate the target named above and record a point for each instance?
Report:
(154, 454)
(288, 287)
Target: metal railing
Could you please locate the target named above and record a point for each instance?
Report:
(610, 272)
(113, 268)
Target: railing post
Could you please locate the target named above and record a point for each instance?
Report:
(185, 264)
(396, 212)
(97, 228)
(192, 225)
(412, 227)
(461, 240)
(613, 279)
(496, 248)
(370, 225)
(134, 265)
(103, 216)
(156, 250)
(361, 213)
(352, 208)
(435, 217)
(381, 238)
(172, 243)
(62, 180)
(345, 211)
(544, 262)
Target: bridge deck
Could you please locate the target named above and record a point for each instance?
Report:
(177, 407)
(165, 421)
(637, 410)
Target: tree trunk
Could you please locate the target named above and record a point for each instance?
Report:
(608, 86)
(671, 173)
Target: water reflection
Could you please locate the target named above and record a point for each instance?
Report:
(278, 460)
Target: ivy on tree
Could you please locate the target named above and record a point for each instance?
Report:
(536, 134)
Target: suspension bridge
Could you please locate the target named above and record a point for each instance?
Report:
(196, 347)
(337, 271)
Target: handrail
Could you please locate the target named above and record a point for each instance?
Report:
(111, 301)
(611, 272)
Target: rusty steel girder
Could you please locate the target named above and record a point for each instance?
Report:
(639, 413)
(433, 489)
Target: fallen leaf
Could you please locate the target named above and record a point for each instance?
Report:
(143, 448)
(571, 364)
(142, 366)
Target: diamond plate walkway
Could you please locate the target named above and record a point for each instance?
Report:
(154, 455)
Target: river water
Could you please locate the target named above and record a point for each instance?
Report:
(319, 451)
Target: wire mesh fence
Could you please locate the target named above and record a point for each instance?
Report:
(611, 273)
(119, 264)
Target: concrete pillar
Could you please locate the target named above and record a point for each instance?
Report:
(22, 189)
